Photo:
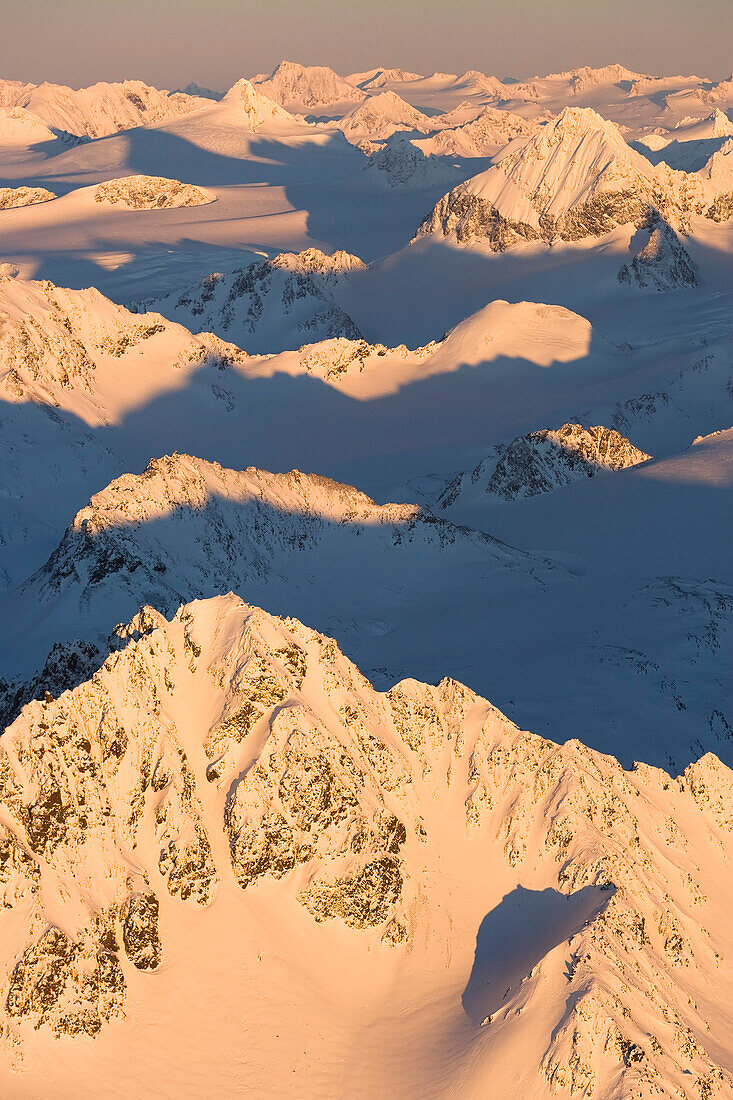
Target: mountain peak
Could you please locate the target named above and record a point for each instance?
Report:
(302, 87)
(259, 110)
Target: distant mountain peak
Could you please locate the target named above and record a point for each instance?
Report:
(307, 86)
(259, 110)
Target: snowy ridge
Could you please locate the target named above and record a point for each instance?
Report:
(575, 178)
(20, 127)
(544, 460)
(377, 78)
(126, 811)
(259, 109)
(101, 109)
(54, 343)
(303, 87)
(186, 528)
(486, 134)
(269, 305)
(663, 262)
(380, 116)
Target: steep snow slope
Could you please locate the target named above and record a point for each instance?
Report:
(543, 461)
(575, 178)
(100, 109)
(229, 807)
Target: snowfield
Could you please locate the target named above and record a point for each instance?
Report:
(366, 497)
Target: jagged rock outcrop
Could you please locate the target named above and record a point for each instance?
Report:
(13, 197)
(402, 162)
(151, 193)
(663, 262)
(364, 809)
(268, 305)
(329, 268)
(542, 461)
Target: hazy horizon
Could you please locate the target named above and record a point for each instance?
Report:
(83, 41)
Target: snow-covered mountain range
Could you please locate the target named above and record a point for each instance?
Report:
(441, 366)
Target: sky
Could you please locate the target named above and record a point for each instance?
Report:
(214, 42)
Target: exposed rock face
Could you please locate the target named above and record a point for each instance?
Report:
(575, 178)
(151, 193)
(663, 262)
(52, 339)
(269, 305)
(403, 162)
(468, 217)
(139, 916)
(74, 988)
(312, 261)
(13, 197)
(355, 805)
(543, 461)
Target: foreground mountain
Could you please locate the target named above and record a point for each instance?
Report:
(228, 766)
(104, 108)
(542, 461)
